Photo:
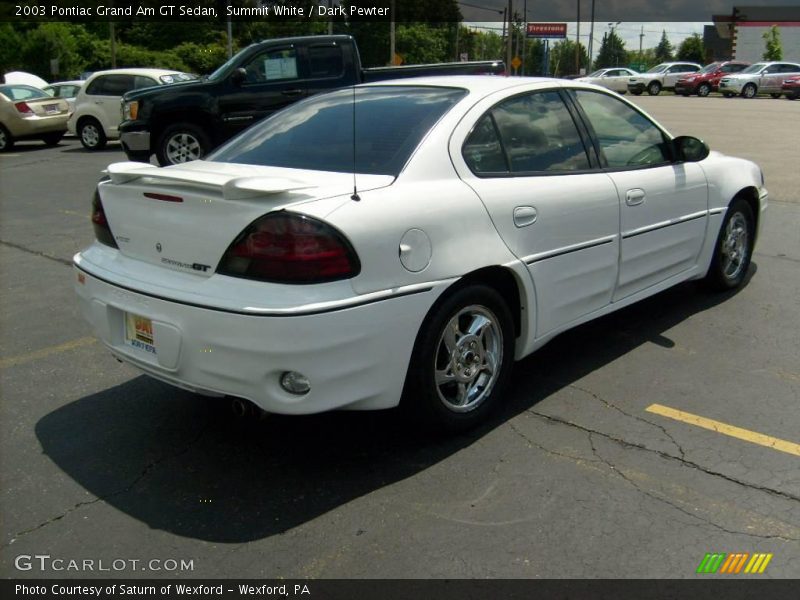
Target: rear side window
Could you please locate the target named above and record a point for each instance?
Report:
(272, 65)
(536, 134)
(325, 61)
(318, 133)
(111, 85)
(140, 81)
(21, 92)
(627, 138)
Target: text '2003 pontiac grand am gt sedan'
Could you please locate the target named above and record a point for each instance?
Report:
(405, 242)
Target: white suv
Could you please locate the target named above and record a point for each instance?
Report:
(97, 106)
(660, 77)
(758, 78)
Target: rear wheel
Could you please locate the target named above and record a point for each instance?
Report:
(654, 89)
(734, 248)
(52, 139)
(182, 143)
(461, 361)
(91, 134)
(749, 91)
(703, 90)
(6, 141)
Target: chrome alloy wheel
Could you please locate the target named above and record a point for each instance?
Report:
(183, 147)
(468, 358)
(90, 135)
(735, 246)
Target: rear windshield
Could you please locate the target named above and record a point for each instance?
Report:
(658, 69)
(22, 92)
(318, 134)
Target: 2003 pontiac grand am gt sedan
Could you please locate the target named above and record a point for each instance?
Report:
(310, 265)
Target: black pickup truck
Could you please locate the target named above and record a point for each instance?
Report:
(185, 121)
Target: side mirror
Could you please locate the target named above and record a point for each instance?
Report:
(690, 149)
(238, 76)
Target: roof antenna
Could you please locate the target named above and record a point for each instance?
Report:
(355, 195)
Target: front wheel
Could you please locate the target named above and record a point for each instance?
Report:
(734, 248)
(92, 135)
(462, 359)
(180, 143)
(6, 141)
(654, 89)
(749, 91)
(703, 90)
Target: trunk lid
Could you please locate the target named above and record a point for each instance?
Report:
(48, 107)
(185, 217)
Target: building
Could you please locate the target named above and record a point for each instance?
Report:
(740, 36)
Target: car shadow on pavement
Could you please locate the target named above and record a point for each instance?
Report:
(184, 464)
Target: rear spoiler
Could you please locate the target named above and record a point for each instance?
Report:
(233, 188)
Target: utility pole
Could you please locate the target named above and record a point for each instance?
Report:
(330, 21)
(391, 36)
(229, 28)
(524, 34)
(641, 56)
(591, 40)
(508, 44)
(578, 41)
(113, 44)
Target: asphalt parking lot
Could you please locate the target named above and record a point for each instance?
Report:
(628, 448)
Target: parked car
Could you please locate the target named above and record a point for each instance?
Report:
(663, 76)
(67, 90)
(97, 112)
(27, 112)
(791, 87)
(381, 244)
(184, 123)
(614, 78)
(758, 78)
(707, 79)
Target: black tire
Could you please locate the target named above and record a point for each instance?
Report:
(654, 88)
(464, 367)
(725, 273)
(749, 91)
(91, 134)
(181, 143)
(703, 90)
(6, 140)
(792, 96)
(775, 95)
(52, 139)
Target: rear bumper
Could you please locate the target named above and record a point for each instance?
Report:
(36, 125)
(355, 358)
(636, 87)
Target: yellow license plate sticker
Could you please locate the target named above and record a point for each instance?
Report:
(139, 332)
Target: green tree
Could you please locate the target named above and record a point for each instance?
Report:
(418, 43)
(562, 58)
(10, 42)
(664, 50)
(66, 42)
(773, 49)
(692, 49)
(612, 52)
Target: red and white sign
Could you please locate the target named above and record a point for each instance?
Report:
(547, 30)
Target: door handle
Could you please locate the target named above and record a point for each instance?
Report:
(634, 197)
(525, 215)
(292, 92)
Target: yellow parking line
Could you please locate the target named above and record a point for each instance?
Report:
(12, 361)
(724, 428)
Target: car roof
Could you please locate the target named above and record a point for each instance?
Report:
(70, 82)
(135, 71)
(478, 84)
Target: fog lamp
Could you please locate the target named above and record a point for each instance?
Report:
(295, 383)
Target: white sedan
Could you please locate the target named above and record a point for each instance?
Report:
(615, 78)
(405, 242)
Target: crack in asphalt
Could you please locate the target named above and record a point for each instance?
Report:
(627, 414)
(550, 451)
(638, 488)
(62, 261)
(683, 461)
(148, 468)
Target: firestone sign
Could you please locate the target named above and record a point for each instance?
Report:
(547, 30)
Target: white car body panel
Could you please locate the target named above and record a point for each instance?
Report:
(617, 83)
(586, 253)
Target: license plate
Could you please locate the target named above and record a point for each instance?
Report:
(139, 333)
(51, 108)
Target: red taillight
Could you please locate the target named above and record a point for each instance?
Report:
(24, 108)
(102, 230)
(290, 248)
